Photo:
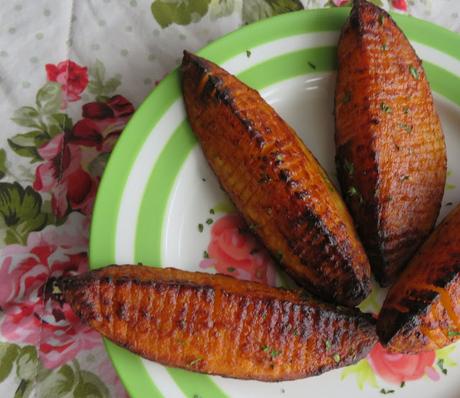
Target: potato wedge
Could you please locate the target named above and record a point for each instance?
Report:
(422, 309)
(216, 324)
(390, 150)
(276, 183)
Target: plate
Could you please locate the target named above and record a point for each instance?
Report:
(159, 203)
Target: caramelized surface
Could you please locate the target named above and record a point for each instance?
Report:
(391, 156)
(218, 325)
(276, 183)
(422, 309)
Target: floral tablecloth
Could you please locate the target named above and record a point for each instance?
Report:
(72, 73)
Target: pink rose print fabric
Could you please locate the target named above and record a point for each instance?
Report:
(50, 253)
(47, 223)
(72, 77)
(61, 175)
(399, 4)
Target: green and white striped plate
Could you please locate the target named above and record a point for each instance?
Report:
(157, 189)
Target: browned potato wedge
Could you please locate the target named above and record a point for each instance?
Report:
(218, 325)
(276, 183)
(391, 156)
(422, 309)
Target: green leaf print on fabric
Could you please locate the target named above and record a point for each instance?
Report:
(67, 381)
(24, 389)
(98, 85)
(8, 354)
(2, 163)
(260, 9)
(45, 120)
(90, 386)
(49, 98)
(181, 12)
(27, 367)
(58, 383)
(27, 363)
(26, 116)
(58, 123)
(21, 210)
(221, 8)
(24, 151)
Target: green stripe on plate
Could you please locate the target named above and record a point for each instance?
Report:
(443, 82)
(103, 229)
(135, 377)
(159, 185)
(196, 385)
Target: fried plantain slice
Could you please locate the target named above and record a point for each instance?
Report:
(219, 325)
(422, 309)
(276, 183)
(390, 149)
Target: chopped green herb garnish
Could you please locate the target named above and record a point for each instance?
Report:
(406, 127)
(413, 71)
(346, 97)
(386, 108)
(296, 332)
(209, 221)
(279, 157)
(205, 254)
(264, 315)
(231, 269)
(449, 173)
(195, 361)
(384, 47)
(383, 391)
(406, 110)
(352, 191)
(328, 345)
(453, 333)
(336, 358)
(349, 167)
(440, 364)
(403, 383)
(200, 227)
(248, 53)
(389, 198)
(450, 186)
(311, 65)
(212, 211)
(274, 353)
(381, 19)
